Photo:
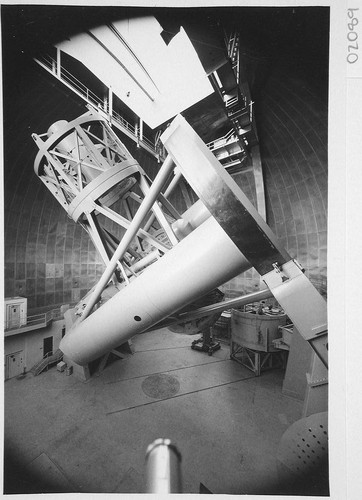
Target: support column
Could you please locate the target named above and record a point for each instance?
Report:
(141, 130)
(110, 103)
(58, 63)
(259, 183)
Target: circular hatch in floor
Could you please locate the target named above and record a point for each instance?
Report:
(160, 386)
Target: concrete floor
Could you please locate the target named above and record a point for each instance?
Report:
(62, 434)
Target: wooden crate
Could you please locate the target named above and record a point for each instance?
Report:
(255, 331)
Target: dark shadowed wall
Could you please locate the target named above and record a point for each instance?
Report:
(289, 84)
(292, 122)
(294, 139)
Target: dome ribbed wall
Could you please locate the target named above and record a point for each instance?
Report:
(294, 139)
(292, 124)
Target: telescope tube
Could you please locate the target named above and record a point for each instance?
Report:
(201, 262)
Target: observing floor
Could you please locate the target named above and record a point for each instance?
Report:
(65, 435)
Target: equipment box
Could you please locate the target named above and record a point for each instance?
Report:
(255, 331)
(15, 312)
(61, 366)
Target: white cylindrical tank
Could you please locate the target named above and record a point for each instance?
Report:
(202, 261)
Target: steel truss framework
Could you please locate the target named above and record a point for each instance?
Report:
(90, 172)
(97, 181)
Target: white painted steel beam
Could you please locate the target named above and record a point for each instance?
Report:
(304, 305)
(131, 232)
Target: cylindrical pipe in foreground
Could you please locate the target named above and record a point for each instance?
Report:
(163, 468)
(214, 308)
(202, 261)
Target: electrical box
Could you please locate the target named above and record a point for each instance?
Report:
(256, 331)
(15, 312)
(61, 366)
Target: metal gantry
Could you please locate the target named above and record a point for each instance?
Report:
(104, 106)
(97, 181)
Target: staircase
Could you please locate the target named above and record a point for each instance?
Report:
(229, 151)
(49, 360)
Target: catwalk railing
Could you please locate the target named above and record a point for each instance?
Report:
(62, 74)
(156, 149)
(33, 322)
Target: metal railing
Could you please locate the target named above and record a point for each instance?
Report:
(89, 95)
(49, 358)
(62, 74)
(47, 355)
(40, 320)
(222, 141)
(231, 101)
(37, 319)
(232, 44)
(131, 128)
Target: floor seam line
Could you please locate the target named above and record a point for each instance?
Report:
(165, 371)
(179, 395)
(164, 349)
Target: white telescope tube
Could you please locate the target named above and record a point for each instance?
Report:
(202, 261)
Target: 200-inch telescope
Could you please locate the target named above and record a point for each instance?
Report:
(164, 260)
